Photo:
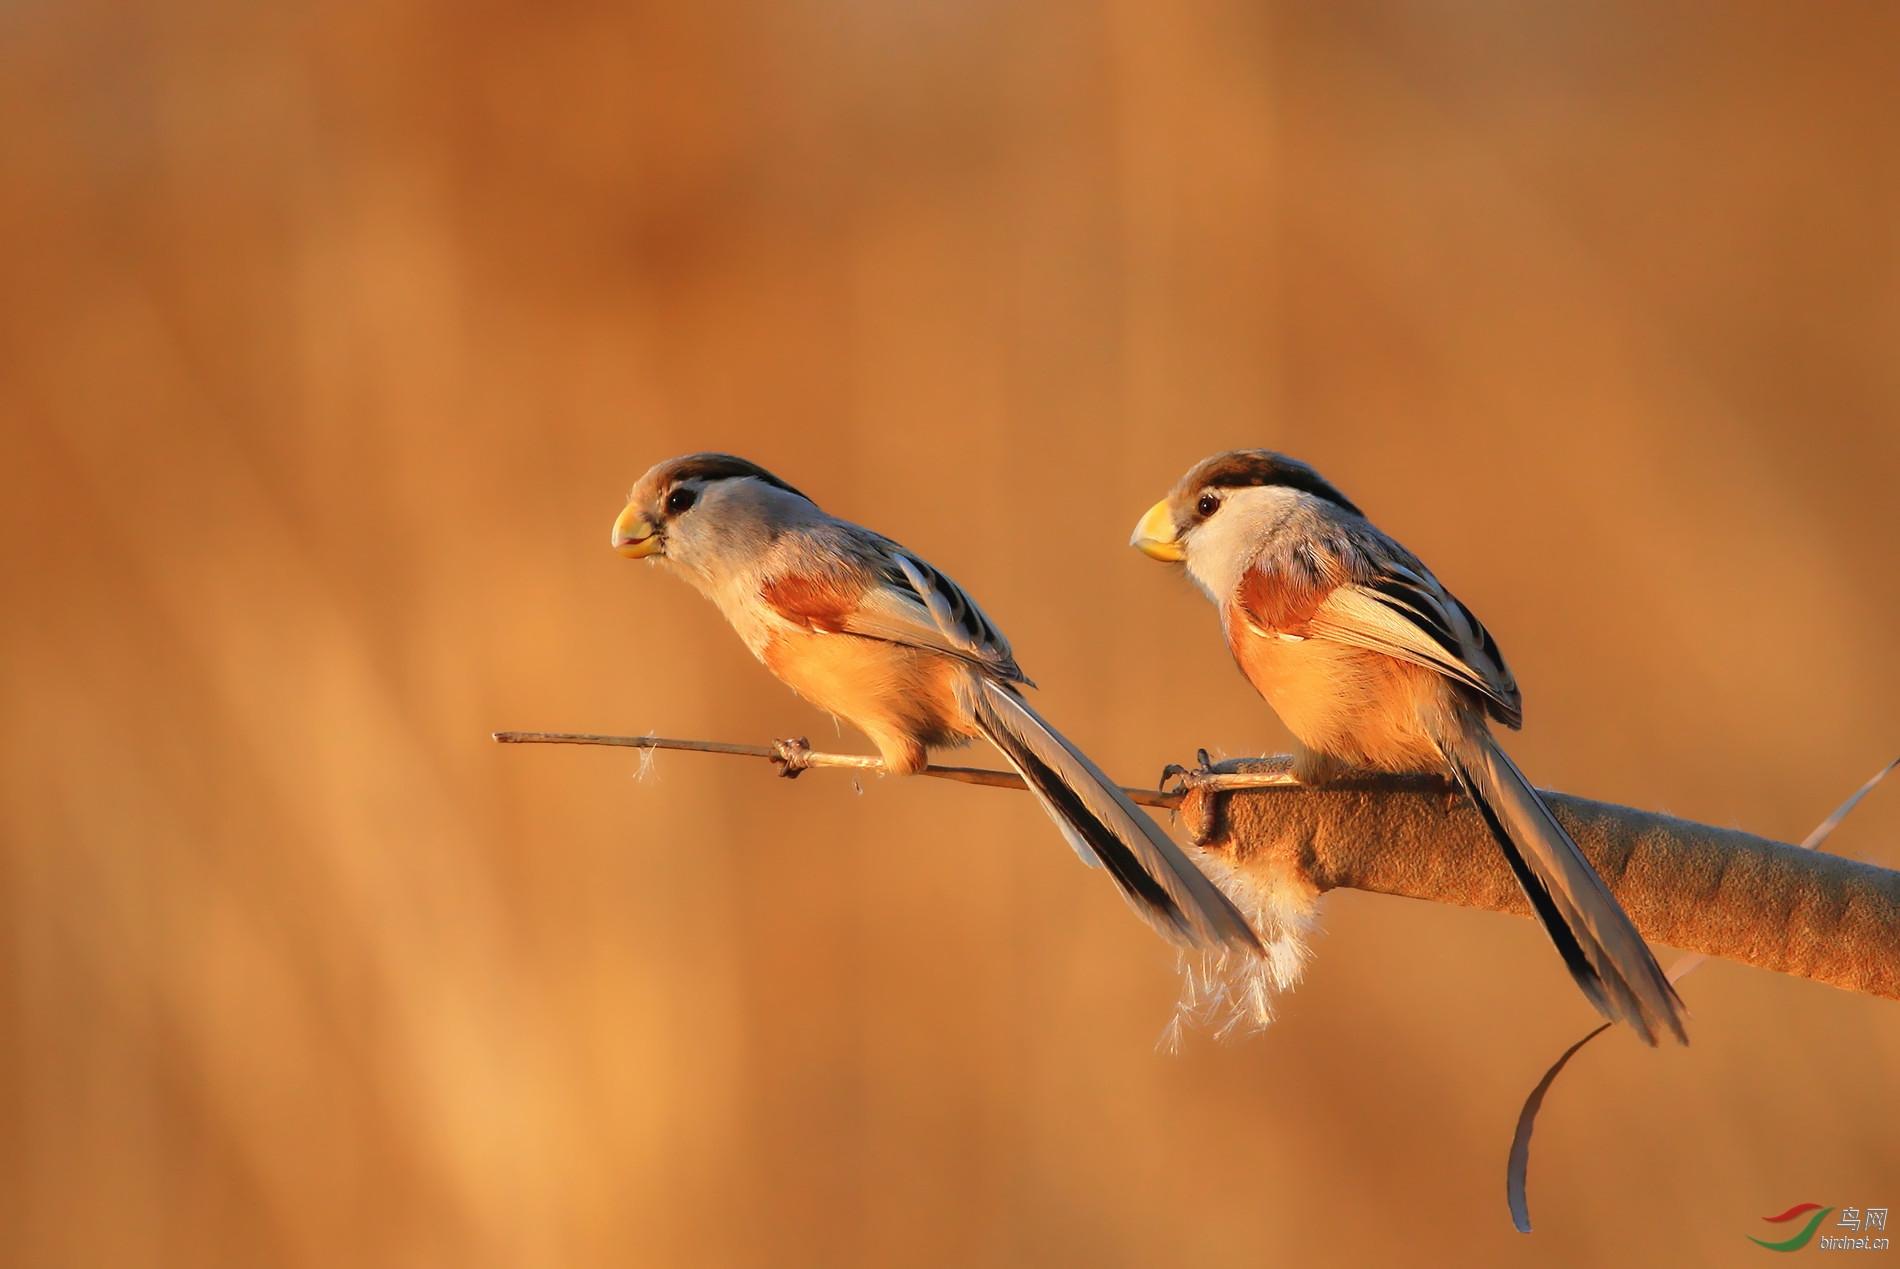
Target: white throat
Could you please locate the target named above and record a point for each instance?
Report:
(1225, 545)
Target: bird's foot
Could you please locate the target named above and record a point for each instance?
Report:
(1175, 771)
(792, 757)
(1204, 816)
(1189, 777)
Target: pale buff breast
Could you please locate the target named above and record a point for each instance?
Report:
(1358, 708)
(903, 698)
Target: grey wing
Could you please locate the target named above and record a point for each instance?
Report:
(1393, 604)
(917, 604)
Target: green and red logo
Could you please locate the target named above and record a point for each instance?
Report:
(1806, 1233)
(1861, 1226)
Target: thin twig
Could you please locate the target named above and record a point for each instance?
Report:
(856, 762)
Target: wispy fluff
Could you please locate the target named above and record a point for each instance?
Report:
(1230, 992)
(646, 767)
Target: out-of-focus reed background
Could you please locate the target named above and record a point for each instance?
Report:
(332, 335)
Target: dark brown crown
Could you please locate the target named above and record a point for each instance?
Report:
(1246, 468)
(711, 466)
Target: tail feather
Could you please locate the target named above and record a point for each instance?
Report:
(1106, 829)
(1599, 944)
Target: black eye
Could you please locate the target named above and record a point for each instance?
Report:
(1208, 505)
(680, 500)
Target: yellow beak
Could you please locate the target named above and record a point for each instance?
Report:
(1154, 536)
(635, 536)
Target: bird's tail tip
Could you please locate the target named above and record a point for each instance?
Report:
(1159, 880)
(1601, 947)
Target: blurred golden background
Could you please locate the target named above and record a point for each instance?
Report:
(332, 335)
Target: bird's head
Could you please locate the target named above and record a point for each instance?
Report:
(1189, 520)
(688, 509)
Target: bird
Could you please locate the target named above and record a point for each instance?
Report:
(1374, 666)
(873, 634)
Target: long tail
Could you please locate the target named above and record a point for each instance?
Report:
(1600, 946)
(1106, 829)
